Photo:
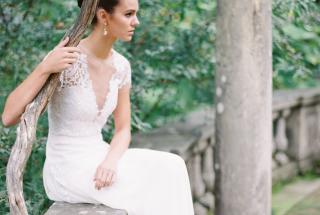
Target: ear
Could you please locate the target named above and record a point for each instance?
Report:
(102, 16)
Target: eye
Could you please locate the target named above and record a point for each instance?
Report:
(128, 14)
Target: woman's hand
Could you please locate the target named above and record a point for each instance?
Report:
(60, 58)
(105, 174)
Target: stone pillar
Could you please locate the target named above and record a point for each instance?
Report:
(243, 108)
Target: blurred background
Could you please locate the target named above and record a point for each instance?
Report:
(172, 60)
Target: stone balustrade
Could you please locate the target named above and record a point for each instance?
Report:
(296, 127)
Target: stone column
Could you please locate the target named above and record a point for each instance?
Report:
(243, 108)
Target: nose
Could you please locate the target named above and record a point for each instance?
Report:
(136, 21)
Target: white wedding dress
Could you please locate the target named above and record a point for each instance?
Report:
(148, 182)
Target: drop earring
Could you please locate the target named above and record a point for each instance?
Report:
(105, 32)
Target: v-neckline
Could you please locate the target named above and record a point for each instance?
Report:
(98, 109)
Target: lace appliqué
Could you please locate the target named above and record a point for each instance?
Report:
(126, 75)
(75, 75)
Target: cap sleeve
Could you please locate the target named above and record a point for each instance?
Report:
(126, 80)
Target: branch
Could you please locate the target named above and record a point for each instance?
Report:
(26, 131)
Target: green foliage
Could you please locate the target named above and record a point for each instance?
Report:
(172, 58)
(296, 39)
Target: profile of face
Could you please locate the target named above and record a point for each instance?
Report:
(122, 22)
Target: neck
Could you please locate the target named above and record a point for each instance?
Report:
(98, 45)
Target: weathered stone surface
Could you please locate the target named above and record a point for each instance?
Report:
(274, 146)
(177, 143)
(200, 146)
(305, 165)
(208, 169)
(211, 142)
(62, 208)
(316, 139)
(197, 119)
(284, 172)
(281, 138)
(286, 113)
(199, 209)
(297, 134)
(206, 131)
(284, 99)
(275, 115)
(207, 200)
(274, 164)
(196, 180)
(281, 158)
(313, 130)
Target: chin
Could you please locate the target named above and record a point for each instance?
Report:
(126, 39)
(129, 39)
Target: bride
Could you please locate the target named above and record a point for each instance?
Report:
(95, 82)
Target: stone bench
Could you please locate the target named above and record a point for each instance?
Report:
(63, 208)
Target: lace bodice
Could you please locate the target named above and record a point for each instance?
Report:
(73, 110)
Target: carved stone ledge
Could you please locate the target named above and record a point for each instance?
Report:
(63, 208)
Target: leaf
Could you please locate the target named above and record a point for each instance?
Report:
(297, 33)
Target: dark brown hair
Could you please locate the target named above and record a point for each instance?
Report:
(108, 5)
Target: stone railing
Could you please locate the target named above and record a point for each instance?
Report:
(296, 127)
(296, 142)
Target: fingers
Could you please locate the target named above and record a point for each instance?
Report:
(63, 43)
(69, 56)
(107, 179)
(111, 179)
(104, 177)
(98, 174)
(69, 62)
(71, 49)
(98, 178)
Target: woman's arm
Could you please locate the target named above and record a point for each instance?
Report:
(122, 118)
(23, 95)
(57, 60)
(105, 173)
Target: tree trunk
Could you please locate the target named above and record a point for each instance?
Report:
(26, 130)
(243, 107)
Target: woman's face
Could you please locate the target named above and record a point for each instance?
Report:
(122, 22)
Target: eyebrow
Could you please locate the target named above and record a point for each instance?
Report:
(130, 10)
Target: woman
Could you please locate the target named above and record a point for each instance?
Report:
(94, 83)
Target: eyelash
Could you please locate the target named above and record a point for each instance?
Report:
(129, 14)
